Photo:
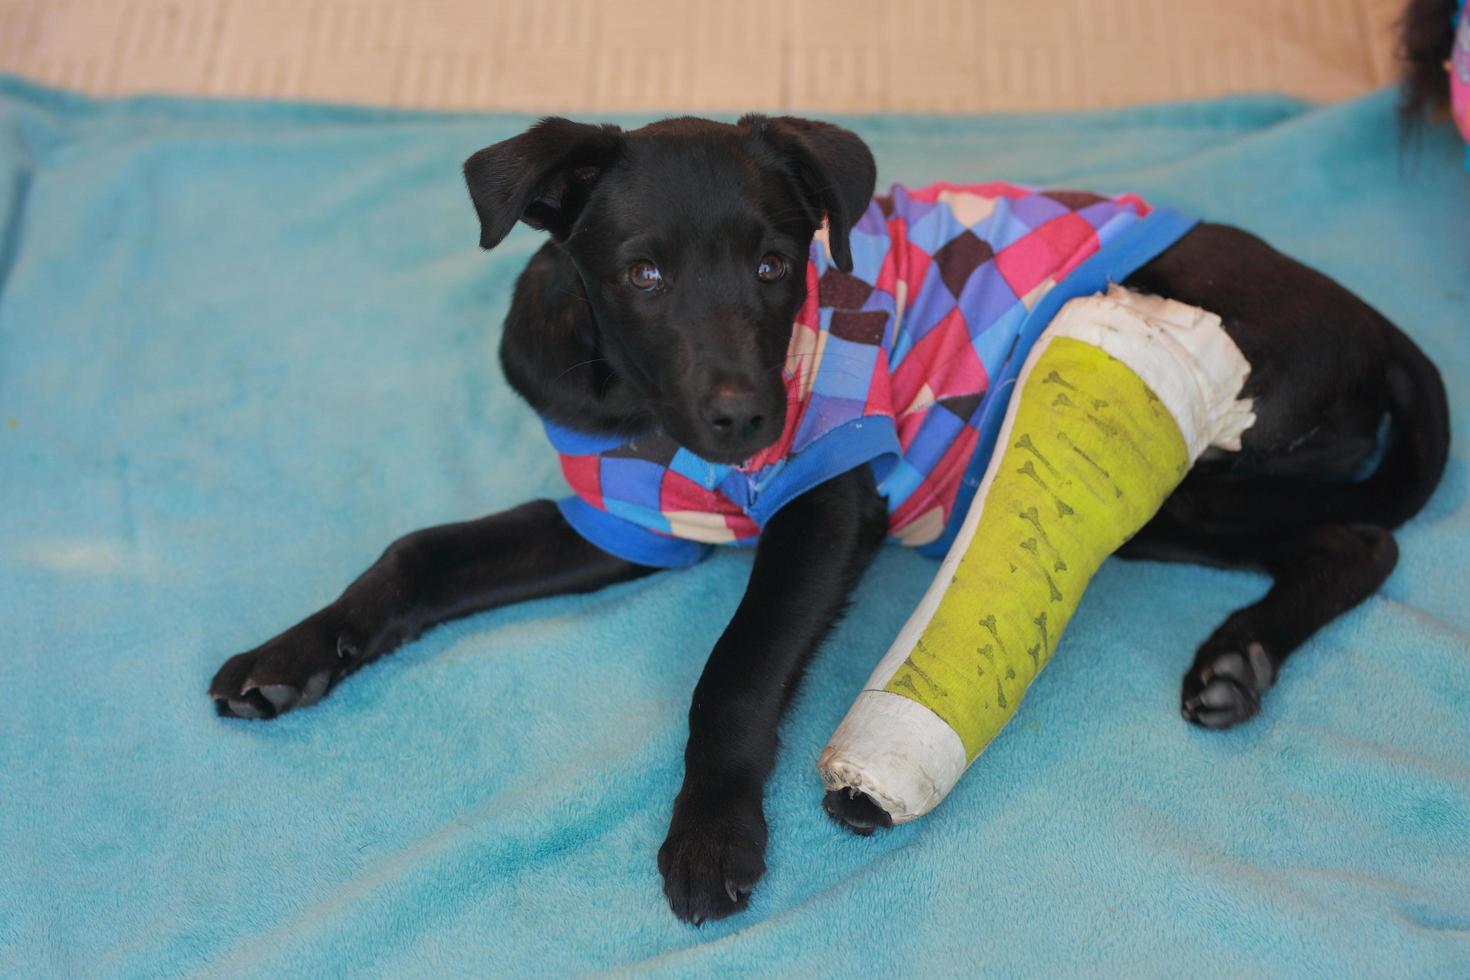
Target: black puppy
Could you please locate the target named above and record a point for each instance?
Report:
(599, 339)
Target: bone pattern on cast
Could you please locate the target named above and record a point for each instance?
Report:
(1089, 459)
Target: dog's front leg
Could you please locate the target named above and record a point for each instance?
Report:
(422, 579)
(811, 554)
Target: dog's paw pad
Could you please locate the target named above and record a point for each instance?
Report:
(1225, 689)
(252, 705)
(316, 686)
(283, 697)
(856, 811)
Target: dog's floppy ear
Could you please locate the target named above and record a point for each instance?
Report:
(540, 177)
(832, 168)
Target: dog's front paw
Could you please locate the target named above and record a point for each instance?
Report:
(1225, 685)
(856, 811)
(291, 671)
(714, 854)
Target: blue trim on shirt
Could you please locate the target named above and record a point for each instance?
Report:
(570, 442)
(1133, 248)
(628, 541)
(850, 445)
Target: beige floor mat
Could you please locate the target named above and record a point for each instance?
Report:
(809, 55)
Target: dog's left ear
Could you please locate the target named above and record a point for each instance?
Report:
(541, 177)
(832, 168)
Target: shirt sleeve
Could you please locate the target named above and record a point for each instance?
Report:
(627, 540)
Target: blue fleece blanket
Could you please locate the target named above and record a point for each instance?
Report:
(243, 346)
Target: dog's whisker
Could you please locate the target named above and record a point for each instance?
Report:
(582, 364)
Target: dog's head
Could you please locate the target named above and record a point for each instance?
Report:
(691, 240)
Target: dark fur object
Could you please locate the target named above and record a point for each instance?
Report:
(1426, 37)
(598, 342)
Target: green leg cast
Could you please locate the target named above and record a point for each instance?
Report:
(1086, 457)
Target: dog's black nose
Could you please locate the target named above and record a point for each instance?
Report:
(732, 413)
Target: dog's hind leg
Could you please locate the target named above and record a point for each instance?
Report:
(1318, 572)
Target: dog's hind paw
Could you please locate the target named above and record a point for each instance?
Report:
(1225, 685)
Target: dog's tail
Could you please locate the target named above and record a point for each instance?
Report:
(1426, 36)
(1419, 443)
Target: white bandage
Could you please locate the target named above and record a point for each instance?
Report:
(1182, 352)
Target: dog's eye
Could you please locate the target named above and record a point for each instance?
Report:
(645, 276)
(772, 268)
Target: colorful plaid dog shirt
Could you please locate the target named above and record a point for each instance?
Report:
(904, 364)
